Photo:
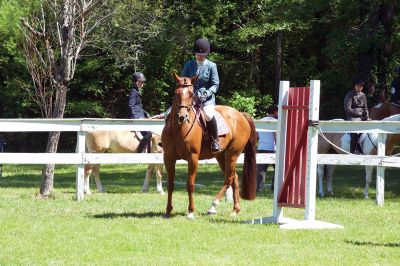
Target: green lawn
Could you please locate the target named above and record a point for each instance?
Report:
(126, 227)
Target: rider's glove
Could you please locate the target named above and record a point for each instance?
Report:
(203, 97)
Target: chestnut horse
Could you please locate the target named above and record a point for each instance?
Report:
(182, 138)
(383, 110)
(119, 142)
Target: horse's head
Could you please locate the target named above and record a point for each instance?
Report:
(184, 97)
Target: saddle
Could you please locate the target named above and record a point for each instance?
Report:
(223, 128)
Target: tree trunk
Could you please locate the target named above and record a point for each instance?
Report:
(278, 63)
(46, 188)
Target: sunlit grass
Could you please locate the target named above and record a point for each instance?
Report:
(126, 227)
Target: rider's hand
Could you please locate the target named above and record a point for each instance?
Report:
(160, 116)
(203, 97)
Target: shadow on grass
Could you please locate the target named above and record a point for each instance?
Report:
(373, 244)
(111, 215)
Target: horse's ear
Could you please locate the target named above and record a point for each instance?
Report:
(193, 79)
(176, 76)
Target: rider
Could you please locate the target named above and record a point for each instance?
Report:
(395, 88)
(356, 109)
(136, 108)
(205, 87)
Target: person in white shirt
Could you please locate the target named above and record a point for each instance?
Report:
(266, 144)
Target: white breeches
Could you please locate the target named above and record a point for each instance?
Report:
(209, 111)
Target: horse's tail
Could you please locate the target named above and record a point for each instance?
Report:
(249, 180)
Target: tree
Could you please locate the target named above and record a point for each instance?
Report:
(54, 39)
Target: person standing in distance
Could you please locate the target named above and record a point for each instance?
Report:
(135, 108)
(266, 144)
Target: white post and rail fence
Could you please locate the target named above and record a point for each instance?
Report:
(80, 158)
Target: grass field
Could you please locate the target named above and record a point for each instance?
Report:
(126, 227)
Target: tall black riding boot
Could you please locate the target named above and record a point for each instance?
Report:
(213, 132)
(355, 147)
(144, 141)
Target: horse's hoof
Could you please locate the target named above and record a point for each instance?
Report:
(161, 191)
(233, 214)
(145, 191)
(211, 212)
(190, 216)
(366, 197)
(166, 216)
(330, 193)
(88, 192)
(321, 195)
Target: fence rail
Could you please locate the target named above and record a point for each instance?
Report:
(93, 124)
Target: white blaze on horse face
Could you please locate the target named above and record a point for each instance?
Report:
(185, 90)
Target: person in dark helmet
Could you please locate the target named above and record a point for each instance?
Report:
(395, 88)
(136, 108)
(356, 109)
(205, 87)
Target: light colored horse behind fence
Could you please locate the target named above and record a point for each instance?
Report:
(340, 143)
(119, 142)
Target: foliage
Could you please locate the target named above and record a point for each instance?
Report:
(253, 104)
(327, 40)
(13, 72)
(126, 227)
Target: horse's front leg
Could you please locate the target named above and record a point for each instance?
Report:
(192, 171)
(170, 166)
(368, 179)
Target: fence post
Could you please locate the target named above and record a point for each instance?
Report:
(380, 171)
(280, 148)
(312, 151)
(80, 169)
(2, 149)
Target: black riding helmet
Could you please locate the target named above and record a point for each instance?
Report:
(138, 76)
(201, 47)
(358, 80)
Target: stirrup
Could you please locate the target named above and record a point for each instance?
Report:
(215, 147)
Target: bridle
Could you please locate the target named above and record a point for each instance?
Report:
(186, 119)
(188, 108)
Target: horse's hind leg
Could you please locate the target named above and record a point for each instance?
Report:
(86, 186)
(368, 178)
(329, 175)
(231, 179)
(320, 173)
(149, 173)
(213, 209)
(96, 176)
(158, 169)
